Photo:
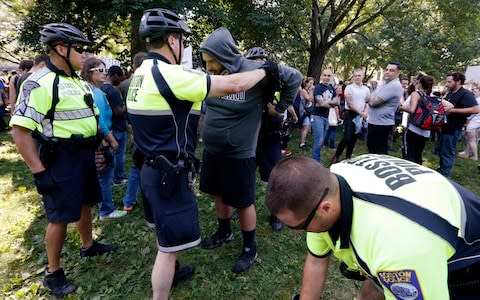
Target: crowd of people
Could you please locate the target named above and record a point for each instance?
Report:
(71, 119)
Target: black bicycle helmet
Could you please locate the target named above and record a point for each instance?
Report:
(62, 32)
(157, 22)
(256, 52)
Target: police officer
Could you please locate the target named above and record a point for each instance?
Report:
(413, 233)
(163, 104)
(56, 107)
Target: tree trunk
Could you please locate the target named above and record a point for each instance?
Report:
(315, 64)
(137, 45)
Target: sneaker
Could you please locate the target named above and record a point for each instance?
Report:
(245, 261)
(128, 208)
(286, 153)
(216, 240)
(114, 214)
(275, 223)
(303, 146)
(97, 249)
(120, 181)
(182, 273)
(57, 283)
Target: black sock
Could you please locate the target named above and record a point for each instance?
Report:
(224, 226)
(249, 241)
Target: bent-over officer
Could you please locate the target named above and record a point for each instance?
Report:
(407, 229)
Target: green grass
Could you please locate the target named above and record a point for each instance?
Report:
(126, 273)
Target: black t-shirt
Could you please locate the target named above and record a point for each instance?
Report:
(114, 98)
(462, 98)
(327, 92)
(20, 80)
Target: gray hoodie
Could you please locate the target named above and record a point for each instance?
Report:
(232, 122)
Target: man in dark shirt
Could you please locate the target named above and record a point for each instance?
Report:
(119, 121)
(464, 104)
(324, 96)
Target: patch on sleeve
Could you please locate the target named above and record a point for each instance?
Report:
(402, 284)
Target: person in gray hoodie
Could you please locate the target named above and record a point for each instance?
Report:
(230, 134)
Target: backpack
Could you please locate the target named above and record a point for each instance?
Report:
(429, 113)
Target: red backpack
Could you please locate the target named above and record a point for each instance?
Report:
(429, 113)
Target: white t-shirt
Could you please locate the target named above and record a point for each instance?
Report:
(357, 93)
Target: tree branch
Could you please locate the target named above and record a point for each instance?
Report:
(352, 29)
(370, 42)
(357, 12)
(344, 10)
(297, 35)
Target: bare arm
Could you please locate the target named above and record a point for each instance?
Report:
(111, 141)
(12, 91)
(314, 277)
(291, 111)
(26, 146)
(306, 95)
(466, 111)
(327, 103)
(222, 85)
(349, 100)
(373, 100)
(413, 103)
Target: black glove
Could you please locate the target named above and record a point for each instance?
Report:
(271, 68)
(44, 182)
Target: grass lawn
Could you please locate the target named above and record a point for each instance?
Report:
(126, 273)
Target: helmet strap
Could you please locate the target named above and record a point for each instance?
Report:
(178, 60)
(66, 58)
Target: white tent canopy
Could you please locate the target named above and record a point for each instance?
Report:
(472, 75)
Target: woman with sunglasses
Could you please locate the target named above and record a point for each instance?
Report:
(94, 72)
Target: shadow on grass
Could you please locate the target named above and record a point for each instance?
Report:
(124, 274)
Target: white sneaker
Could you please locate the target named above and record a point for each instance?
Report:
(114, 214)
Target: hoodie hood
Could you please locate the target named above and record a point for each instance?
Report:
(221, 45)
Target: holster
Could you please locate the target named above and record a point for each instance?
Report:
(46, 148)
(171, 173)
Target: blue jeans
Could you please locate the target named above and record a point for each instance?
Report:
(105, 179)
(133, 185)
(121, 137)
(319, 130)
(329, 140)
(447, 150)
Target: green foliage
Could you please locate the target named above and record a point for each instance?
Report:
(434, 36)
(126, 273)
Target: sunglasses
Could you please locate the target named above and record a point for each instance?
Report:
(98, 69)
(308, 220)
(79, 49)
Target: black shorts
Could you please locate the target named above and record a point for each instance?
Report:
(77, 183)
(232, 179)
(173, 207)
